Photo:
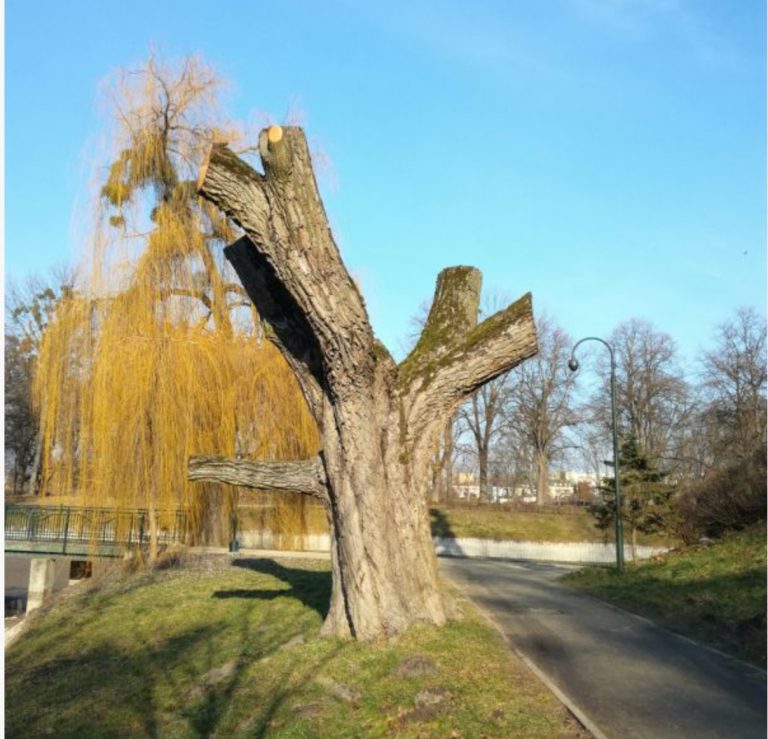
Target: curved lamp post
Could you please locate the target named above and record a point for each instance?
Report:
(573, 365)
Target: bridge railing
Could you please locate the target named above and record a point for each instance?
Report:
(66, 526)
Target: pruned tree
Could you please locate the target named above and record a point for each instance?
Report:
(379, 421)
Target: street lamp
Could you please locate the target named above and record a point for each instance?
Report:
(573, 365)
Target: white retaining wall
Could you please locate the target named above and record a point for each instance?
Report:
(576, 552)
(572, 552)
(268, 540)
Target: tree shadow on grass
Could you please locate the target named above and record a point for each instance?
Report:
(112, 687)
(310, 587)
(155, 688)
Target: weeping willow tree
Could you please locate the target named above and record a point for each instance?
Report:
(159, 356)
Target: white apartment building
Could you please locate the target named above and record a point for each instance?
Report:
(562, 485)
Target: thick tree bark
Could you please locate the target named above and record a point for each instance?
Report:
(303, 477)
(380, 422)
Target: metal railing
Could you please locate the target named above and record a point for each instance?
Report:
(106, 531)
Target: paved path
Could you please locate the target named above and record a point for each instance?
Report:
(629, 678)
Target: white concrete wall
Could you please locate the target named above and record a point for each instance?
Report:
(269, 540)
(575, 552)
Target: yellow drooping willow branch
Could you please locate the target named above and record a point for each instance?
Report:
(156, 358)
(127, 397)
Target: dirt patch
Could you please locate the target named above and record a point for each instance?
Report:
(212, 678)
(343, 692)
(427, 704)
(417, 666)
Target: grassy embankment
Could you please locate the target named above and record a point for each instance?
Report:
(226, 648)
(500, 522)
(458, 520)
(715, 593)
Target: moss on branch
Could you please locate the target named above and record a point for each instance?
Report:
(424, 364)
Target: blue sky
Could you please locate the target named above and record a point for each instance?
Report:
(608, 155)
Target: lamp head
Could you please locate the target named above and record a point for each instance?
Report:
(573, 364)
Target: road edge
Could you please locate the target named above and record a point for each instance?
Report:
(580, 716)
(743, 664)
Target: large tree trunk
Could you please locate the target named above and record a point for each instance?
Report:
(380, 422)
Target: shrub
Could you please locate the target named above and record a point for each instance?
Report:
(727, 499)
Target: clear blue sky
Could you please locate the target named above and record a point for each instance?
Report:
(608, 155)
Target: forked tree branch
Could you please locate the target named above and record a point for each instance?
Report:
(450, 365)
(283, 215)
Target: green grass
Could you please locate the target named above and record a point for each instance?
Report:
(223, 648)
(714, 593)
(499, 522)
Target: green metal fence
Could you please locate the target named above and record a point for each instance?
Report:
(95, 531)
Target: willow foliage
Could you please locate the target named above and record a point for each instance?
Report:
(159, 357)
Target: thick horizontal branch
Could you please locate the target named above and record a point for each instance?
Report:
(307, 476)
(284, 217)
(441, 382)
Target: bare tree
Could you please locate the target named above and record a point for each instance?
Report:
(541, 404)
(727, 443)
(379, 421)
(653, 400)
(482, 417)
(735, 385)
(29, 308)
(443, 463)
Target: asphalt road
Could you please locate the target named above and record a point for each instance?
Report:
(629, 678)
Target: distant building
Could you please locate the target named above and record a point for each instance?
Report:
(564, 486)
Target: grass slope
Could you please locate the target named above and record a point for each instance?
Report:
(230, 648)
(715, 593)
(500, 522)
